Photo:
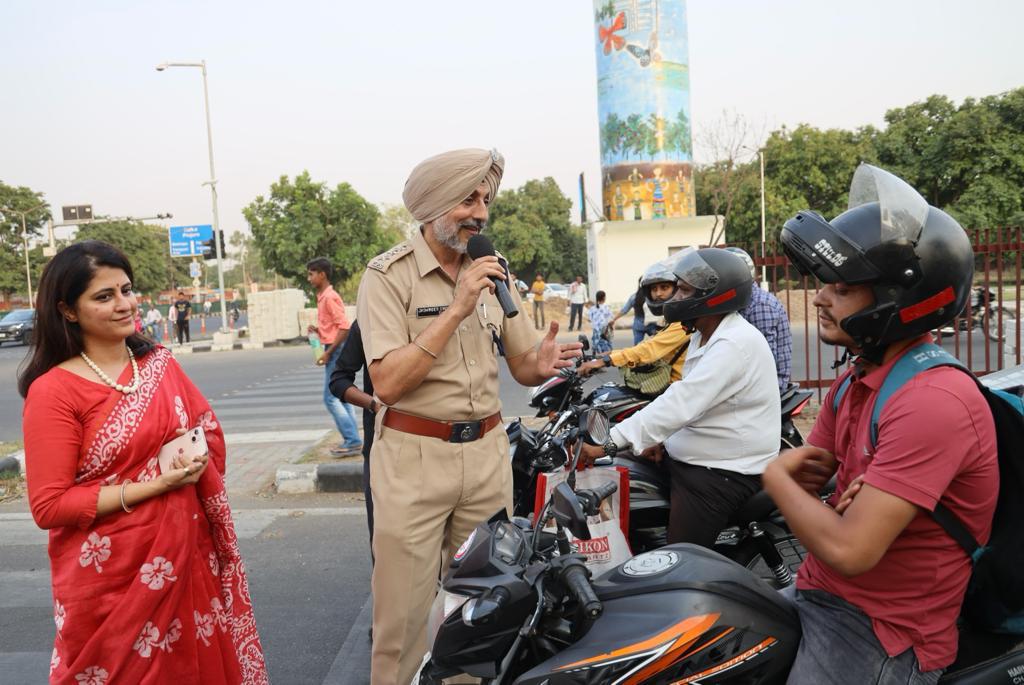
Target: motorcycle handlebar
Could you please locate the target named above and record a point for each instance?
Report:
(591, 499)
(577, 580)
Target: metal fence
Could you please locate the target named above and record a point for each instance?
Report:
(986, 336)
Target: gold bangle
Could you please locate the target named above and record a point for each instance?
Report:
(424, 349)
(124, 506)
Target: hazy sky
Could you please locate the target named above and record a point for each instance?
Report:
(361, 91)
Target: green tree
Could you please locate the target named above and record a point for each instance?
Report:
(248, 262)
(396, 222)
(12, 247)
(304, 219)
(968, 160)
(531, 227)
(146, 248)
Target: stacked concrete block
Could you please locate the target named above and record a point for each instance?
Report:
(273, 315)
(307, 318)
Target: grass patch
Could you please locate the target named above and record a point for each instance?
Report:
(320, 453)
(8, 448)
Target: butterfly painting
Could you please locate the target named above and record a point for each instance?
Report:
(609, 34)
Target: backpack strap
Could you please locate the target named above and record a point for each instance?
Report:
(679, 352)
(951, 523)
(843, 387)
(917, 359)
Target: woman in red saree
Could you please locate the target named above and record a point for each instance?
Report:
(148, 583)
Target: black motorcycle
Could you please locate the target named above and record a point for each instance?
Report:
(756, 537)
(518, 606)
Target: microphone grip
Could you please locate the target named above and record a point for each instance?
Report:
(505, 298)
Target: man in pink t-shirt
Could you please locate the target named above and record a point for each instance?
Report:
(881, 588)
(332, 326)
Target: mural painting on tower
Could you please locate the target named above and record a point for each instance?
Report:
(643, 86)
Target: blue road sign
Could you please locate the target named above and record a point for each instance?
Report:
(187, 241)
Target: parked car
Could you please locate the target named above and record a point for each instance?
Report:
(556, 290)
(17, 326)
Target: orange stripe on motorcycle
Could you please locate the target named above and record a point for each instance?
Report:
(686, 631)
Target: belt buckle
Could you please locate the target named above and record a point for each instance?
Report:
(465, 431)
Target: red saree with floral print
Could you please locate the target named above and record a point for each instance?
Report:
(157, 595)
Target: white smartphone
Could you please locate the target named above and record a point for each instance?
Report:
(190, 445)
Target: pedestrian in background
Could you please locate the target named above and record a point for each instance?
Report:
(351, 361)
(148, 584)
(520, 285)
(600, 317)
(636, 304)
(154, 323)
(577, 298)
(768, 315)
(432, 331)
(332, 326)
(182, 313)
(538, 300)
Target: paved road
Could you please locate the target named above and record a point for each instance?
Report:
(308, 566)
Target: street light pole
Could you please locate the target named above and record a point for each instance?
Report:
(764, 270)
(212, 183)
(24, 240)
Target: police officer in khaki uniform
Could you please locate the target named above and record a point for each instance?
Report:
(432, 330)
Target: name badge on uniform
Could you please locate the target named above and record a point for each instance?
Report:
(436, 310)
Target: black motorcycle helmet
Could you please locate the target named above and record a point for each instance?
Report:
(659, 272)
(721, 280)
(917, 259)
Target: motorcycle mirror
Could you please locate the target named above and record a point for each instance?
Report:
(594, 427)
(585, 342)
(569, 512)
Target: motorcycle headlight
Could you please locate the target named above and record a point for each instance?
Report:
(445, 604)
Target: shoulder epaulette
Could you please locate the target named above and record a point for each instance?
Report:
(383, 261)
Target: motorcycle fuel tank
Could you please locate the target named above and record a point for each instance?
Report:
(680, 614)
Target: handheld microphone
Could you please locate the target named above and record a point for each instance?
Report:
(480, 246)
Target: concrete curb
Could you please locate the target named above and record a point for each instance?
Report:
(295, 479)
(210, 347)
(341, 477)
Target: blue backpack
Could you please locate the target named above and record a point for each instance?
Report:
(995, 594)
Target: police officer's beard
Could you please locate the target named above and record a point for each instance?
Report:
(446, 231)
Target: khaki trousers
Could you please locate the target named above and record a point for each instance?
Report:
(428, 495)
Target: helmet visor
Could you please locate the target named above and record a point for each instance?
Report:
(693, 270)
(903, 210)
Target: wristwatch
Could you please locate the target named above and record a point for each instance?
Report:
(610, 448)
(606, 359)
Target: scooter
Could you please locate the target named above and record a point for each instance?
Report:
(518, 606)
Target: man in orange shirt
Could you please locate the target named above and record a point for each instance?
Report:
(332, 326)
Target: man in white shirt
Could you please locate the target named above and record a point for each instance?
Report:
(154, 323)
(577, 298)
(719, 425)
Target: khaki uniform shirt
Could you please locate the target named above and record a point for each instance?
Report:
(402, 292)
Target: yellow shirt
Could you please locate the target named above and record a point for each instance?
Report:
(402, 292)
(661, 346)
(538, 290)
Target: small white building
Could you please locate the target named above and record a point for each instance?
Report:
(619, 251)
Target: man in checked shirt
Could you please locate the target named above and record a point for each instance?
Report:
(767, 315)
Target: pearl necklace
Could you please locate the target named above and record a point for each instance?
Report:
(126, 389)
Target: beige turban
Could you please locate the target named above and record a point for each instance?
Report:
(439, 183)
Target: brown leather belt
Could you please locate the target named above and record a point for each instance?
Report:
(449, 431)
